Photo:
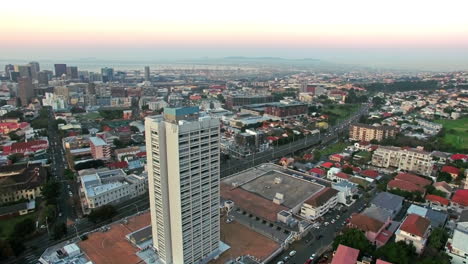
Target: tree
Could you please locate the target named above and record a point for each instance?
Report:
(14, 136)
(76, 110)
(145, 107)
(119, 144)
(354, 238)
(51, 191)
(89, 164)
(49, 212)
(317, 155)
(347, 170)
(102, 213)
(432, 190)
(5, 250)
(444, 176)
(221, 98)
(438, 238)
(60, 230)
(397, 253)
(15, 157)
(69, 174)
(24, 228)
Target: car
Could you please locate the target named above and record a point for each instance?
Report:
(286, 258)
(309, 261)
(326, 223)
(70, 193)
(292, 253)
(280, 262)
(333, 221)
(312, 257)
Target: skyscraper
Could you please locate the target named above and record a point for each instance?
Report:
(8, 69)
(25, 90)
(107, 74)
(183, 170)
(24, 71)
(72, 72)
(43, 77)
(147, 73)
(35, 69)
(60, 69)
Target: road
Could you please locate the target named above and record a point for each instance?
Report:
(232, 166)
(312, 244)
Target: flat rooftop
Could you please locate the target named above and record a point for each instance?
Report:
(112, 246)
(243, 241)
(262, 181)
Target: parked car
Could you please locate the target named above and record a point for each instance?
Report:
(292, 253)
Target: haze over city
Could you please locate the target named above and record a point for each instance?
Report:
(426, 35)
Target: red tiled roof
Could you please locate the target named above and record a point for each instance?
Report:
(405, 186)
(370, 173)
(141, 154)
(450, 170)
(420, 181)
(118, 165)
(459, 157)
(366, 223)
(343, 175)
(461, 197)
(317, 171)
(345, 255)
(415, 224)
(437, 199)
(379, 261)
(327, 165)
(444, 185)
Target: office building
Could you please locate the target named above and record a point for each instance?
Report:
(25, 90)
(72, 72)
(9, 68)
(107, 74)
(60, 69)
(25, 71)
(363, 132)
(183, 176)
(235, 101)
(43, 78)
(35, 69)
(147, 74)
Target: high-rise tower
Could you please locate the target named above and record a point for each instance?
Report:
(183, 172)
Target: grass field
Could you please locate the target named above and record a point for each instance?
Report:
(456, 132)
(337, 112)
(90, 116)
(334, 148)
(7, 225)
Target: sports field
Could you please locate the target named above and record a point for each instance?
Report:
(456, 133)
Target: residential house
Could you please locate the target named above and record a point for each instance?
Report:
(371, 227)
(459, 201)
(444, 187)
(457, 246)
(453, 171)
(388, 201)
(414, 230)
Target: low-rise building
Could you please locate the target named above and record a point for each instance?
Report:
(388, 201)
(25, 147)
(346, 190)
(414, 230)
(110, 187)
(457, 246)
(319, 204)
(372, 228)
(120, 153)
(459, 201)
(21, 182)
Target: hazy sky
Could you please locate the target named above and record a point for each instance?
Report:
(406, 33)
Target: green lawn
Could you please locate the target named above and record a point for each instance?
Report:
(334, 148)
(456, 132)
(7, 225)
(337, 112)
(90, 116)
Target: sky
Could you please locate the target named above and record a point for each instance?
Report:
(398, 33)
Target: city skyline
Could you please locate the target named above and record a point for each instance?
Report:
(401, 35)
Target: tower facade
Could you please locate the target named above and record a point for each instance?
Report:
(183, 174)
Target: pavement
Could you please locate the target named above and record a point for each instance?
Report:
(317, 241)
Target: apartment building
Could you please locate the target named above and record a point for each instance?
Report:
(108, 187)
(99, 148)
(183, 168)
(320, 203)
(363, 132)
(408, 159)
(415, 229)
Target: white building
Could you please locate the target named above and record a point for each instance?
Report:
(457, 246)
(346, 191)
(112, 186)
(183, 169)
(415, 230)
(56, 101)
(320, 203)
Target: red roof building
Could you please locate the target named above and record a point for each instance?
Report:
(25, 147)
(420, 181)
(7, 127)
(345, 255)
(327, 165)
(373, 174)
(460, 198)
(379, 261)
(415, 225)
(453, 171)
(118, 165)
(336, 157)
(405, 186)
(343, 175)
(435, 199)
(317, 172)
(459, 157)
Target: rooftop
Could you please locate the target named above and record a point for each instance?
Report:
(345, 255)
(97, 141)
(461, 197)
(420, 181)
(322, 197)
(366, 223)
(415, 224)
